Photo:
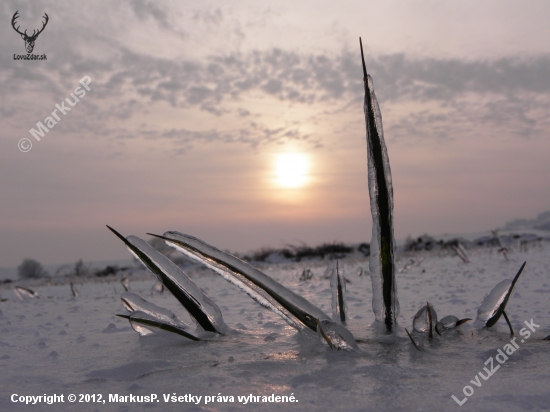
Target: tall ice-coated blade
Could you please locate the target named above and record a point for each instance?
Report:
(294, 309)
(200, 307)
(382, 247)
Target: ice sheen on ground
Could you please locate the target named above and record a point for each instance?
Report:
(61, 344)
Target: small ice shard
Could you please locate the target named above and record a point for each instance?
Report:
(421, 321)
(74, 291)
(448, 323)
(22, 292)
(382, 247)
(460, 251)
(493, 305)
(306, 275)
(200, 307)
(294, 309)
(337, 336)
(338, 287)
(143, 323)
(135, 303)
(125, 282)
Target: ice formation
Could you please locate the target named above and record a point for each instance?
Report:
(338, 287)
(494, 303)
(144, 323)
(382, 247)
(449, 323)
(135, 303)
(422, 321)
(22, 292)
(293, 308)
(205, 312)
(337, 336)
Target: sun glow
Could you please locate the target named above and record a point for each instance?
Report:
(291, 170)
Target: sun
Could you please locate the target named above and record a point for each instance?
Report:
(291, 170)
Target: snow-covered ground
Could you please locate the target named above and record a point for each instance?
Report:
(60, 344)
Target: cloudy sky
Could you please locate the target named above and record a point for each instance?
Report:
(194, 106)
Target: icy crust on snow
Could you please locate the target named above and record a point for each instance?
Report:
(201, 307)
(62, 344)
(382, 247)
(338, 287)
(294, 309)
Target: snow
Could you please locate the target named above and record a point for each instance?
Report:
(59, 344)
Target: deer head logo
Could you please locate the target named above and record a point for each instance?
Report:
(29, 40)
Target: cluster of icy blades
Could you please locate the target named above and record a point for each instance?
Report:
(202, 309)
(146, 317)
(294, 309)
(489, 312)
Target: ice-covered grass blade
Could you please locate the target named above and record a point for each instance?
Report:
(508, 322)
(135, 303)
(412, 340)
(338, 287)
(460, 252)
(149, 321)
(294, 309)
(494, 304)
(74, 291)
(382, 265)
(424, 319)
(20, 291)
(430, 321)
(200, 307)
(449, 323)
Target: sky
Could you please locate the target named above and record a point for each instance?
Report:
(193, 108)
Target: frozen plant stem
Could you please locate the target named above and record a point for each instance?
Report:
(508, 322)
(382, 266)
(412, 340)
(431, 334)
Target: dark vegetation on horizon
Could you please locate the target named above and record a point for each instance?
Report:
(330, 251)
(32, 269)
(511, 241)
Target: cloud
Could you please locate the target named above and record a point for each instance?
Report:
(445, 94)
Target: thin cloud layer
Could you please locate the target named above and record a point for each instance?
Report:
(130, 83)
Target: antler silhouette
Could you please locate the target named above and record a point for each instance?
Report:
(29, 40)
(15, 16)
(43, 26)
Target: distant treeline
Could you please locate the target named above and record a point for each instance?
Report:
(31, 269)
(292, 253)
(426, 242)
